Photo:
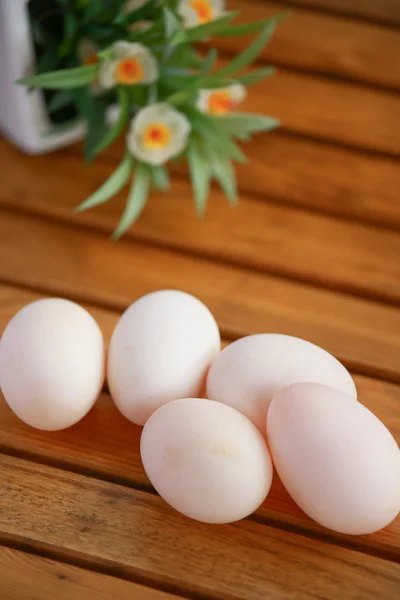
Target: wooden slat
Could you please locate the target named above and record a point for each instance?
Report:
(382, 11)
(112, 525)
(336, 111)
(332, 110)
(302, 172)
(28, 577)
(78, 264)
(324, 43)
(107, 445)
(310, 174)
(267, 237)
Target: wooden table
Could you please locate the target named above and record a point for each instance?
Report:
(313, 250)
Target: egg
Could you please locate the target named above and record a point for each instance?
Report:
(248, 373)
(51, 363)
(161, 350)
(335, 457)
(206, 460)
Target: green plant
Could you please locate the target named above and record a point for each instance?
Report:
(141, 55)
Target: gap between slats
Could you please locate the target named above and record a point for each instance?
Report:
(244, 302)
(385, 13)
(327, 46)
(314, 176)
(53, 516)
(104, 445)
(290, 245)
(20, 566)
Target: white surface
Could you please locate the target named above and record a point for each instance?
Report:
(160, 350)
(51, 363)
(248, 373)
(206, 460)
(336, 459)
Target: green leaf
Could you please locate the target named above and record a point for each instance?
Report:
(136, 200)
(70, 25)
(171, 23)
(185, 94)
(208, 129)
(216, 81)
(200, 174)
(63, 79)
(195, 82)
(143, 12)
(105, 54)
(60, 100)
(111, 187)
(209, 62)
(48, 61)
(92, 10)
(254, 27)
(115, 131)
(224, 173)
(185, 56)
(248, 55)
(196, 34)
(96, 123)
(256, 76)
(159, 177)
(242, 125)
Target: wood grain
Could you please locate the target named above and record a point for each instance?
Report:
(382, 11)
(332, 110)
(28, 577)
(288, 170)
(110, 525)
(352, 49)
(83, 265)
(257, 235)
(107, 446)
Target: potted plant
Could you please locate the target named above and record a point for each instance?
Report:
(26, 45)
(141, 57)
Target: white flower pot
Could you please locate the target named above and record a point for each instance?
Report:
(24, 118)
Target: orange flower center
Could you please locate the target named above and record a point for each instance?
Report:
(220, 103)
(157, 136)
(91, 60)
(129, 71)
(203, 9)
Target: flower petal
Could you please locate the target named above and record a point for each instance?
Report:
(166, 115)
(190, 11)
(238, 92)
(188, 14)
(122, 50)
(106, 75)
(202, 100)
(221, 100)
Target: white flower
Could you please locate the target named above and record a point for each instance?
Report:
(199, 12)
(221, 101)
(158, 133)
(131, 64)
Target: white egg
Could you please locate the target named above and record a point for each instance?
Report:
(52, 363)
(161, 350)
(336, 459)
(248, 373)
(206, 460)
